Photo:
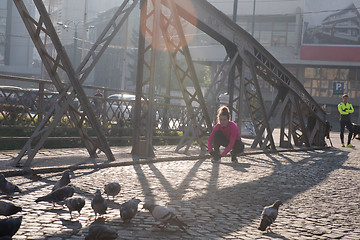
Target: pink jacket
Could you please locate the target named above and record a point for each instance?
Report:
(231, 132)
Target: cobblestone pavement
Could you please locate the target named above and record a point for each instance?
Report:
(319, 189)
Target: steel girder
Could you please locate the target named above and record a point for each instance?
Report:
(257, 108)
(307, 121)
(223, 73)
(261, 63)
(195, 132)
(245, 51)
(76, 78)
(160, 19)
(235, 85)
(145, 79)
(163, 18)
(177, 47)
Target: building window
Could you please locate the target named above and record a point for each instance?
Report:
(324, 92)
(271, 31)
(319, 82)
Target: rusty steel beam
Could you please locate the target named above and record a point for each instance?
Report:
(192, 132)
(145, 79)
(162, 20)
(200, 121)
(257, 108)
(166, 23)
(76, 78)
(35, 142)
(221, 28)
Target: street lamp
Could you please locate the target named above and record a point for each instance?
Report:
(235, 10)
(253, 20)
(66, 26)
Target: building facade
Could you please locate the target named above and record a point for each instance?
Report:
(16, 47)
(317, 41)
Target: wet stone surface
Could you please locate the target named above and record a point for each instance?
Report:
(319, 189)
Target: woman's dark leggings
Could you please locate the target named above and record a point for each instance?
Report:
(221, 140)
(349, 126)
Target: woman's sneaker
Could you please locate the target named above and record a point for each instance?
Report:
(216, 156)
(233, 157)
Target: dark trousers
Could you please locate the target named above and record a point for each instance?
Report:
(221, 140)
(348, 124)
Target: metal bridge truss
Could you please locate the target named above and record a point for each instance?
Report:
(192, 133)
(162, 28)
(169, 30)
(299, 115)
(67, 91)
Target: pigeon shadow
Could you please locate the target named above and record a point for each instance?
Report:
(9, 198)
(164, 232)
(48, 183)
(275, 235)
(70, 224)
(99, 220)
(57, 210)
(46, 180)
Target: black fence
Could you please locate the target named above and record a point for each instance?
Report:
(21, 110)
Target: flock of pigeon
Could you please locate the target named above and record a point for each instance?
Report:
(62, 193)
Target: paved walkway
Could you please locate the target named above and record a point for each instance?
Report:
(319, 189)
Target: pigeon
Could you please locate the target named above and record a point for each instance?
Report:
(8, 208)
(129, 209)
(269, 215)
(99, 204)
(112, 189)
(101, 232)
(75, 204)
(64, 180)
(58, 195)
(7, 187)
(9, 226)
(164, 216)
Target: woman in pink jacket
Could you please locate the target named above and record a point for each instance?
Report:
(225, 133)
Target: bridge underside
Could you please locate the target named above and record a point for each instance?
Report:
(163, 26)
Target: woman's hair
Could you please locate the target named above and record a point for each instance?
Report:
(223, 111)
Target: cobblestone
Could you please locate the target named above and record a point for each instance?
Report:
(319, 189)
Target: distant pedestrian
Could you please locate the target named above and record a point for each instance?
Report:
(345, 109)
(97, 101)
(225, 133)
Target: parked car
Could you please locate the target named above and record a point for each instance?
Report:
(30, 99)
(119, 107)
(10, 94)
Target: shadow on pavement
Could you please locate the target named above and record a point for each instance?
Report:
(234, 206)
(248, 198)
(274, 235)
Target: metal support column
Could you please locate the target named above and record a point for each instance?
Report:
(66, 91)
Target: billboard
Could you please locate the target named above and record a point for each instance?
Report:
(331, 30)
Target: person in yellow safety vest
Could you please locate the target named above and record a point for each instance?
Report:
(345, 108)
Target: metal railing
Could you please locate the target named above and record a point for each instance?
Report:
(24, 108)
